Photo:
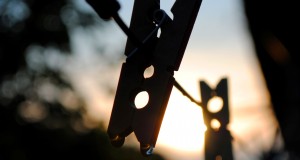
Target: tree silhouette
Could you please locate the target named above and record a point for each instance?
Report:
(41, 115)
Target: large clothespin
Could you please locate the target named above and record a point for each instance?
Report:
(143, 49)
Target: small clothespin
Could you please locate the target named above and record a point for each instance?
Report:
(144, 49)
(217, 136)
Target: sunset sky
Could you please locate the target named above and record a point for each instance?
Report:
(219, 47)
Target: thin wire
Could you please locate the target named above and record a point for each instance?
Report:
(127, 31)
(185, 93)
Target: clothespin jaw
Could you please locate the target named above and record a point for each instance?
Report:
(207, 94)
(217, 138)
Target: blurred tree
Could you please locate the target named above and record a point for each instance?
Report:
(41, 115)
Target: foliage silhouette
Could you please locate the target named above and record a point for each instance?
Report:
(37, 120)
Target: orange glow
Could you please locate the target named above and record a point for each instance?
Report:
(183, 127)
(216, 50)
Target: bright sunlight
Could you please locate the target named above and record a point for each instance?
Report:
(183, 127)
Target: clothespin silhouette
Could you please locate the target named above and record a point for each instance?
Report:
(144, 49)
(217, 136)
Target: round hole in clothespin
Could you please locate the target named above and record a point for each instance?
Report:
(215, 104)
(141, 100)
(149, 71)
(215, 124)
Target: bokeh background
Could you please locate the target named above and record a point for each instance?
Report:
(60, 65)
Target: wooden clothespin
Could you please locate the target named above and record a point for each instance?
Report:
(217, 136)
(144, 49)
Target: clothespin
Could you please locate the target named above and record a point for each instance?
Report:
(144, 49)
(217, 138)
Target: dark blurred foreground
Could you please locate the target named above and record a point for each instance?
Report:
(275, 29)
(36, 142)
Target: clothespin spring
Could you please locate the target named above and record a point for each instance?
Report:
(159, 17)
